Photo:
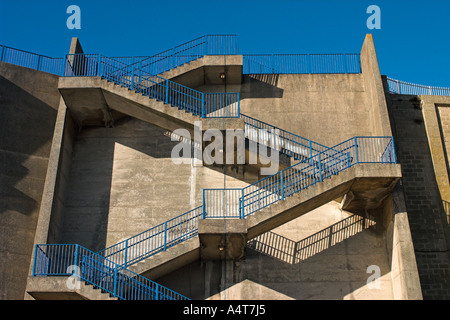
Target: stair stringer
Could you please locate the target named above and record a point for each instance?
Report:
(56, 288)
(370, 182)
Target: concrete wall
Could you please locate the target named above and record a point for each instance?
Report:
(28, 103)
(419, 146)
(122, 181)
(107, 184)
(324, 254)
(320, 107)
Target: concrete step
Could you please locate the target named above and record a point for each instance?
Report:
(56, 288)
(368, 183)
(170, 260)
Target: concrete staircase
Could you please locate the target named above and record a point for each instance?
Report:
(218, 239)
(95, 101)
(56, 288)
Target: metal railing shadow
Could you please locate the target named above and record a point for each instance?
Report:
(287, 250)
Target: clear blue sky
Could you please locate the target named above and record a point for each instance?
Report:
(413, 43)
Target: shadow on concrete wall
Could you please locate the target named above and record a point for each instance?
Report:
(284, 249)
(330, 264)
(88, 200)
(26, 130)
(260, 86)
(20, 110)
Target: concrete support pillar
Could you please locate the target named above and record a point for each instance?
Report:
(374, 87)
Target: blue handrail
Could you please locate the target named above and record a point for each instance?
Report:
(226, 203)
(156, 239)
(32, 60)
(286, 142)
(83, 264)
(345, 63)
(241, 202)
(402, 87)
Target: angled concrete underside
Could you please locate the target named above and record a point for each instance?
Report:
(63, 288)
(370, 184)
(96, 102)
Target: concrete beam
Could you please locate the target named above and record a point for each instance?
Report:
(222, 239)
(56, 288)
(370, 183)
(208, 70)
(374, 87)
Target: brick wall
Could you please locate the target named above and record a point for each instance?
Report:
(425, 209)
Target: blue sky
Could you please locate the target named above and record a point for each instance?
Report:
(412, 45)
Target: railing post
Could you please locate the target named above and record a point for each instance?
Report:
(173, 59)
(356, 150)
(242, 204)
(126, 254)
(398, 86)
(345, 63)
(139, 73)
(115, 280)
(99, 74)
(165, 236)
(38, 62)
(308, 61)
(320, 168)
(393, 150)
(132, 74)
(204, 211)
(166, 100)
(272, 64)
(76, 258)
(156, 291)
(64, 64)
(1, 53)
(203, 111)
(282, 185)
(310, 152)
(239, 105)
(34, 258)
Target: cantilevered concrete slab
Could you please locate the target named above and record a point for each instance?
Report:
(369, 184)
(56, 288)
(89, 100)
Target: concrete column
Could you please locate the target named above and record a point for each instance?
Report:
(374, 88)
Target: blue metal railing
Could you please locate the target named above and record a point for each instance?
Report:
(154, 240)
(190, 51)
(31, 60)
(206, 105)
(301, 63)
(402, 87)
(281, 140)
(184, 53)
(239, 203)
(75, 260)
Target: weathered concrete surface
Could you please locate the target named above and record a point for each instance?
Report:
(170, 260)
(420, 135)
(28, 106)
(207, 71)
(371, 180)
(369, 183)
(222, 238)
(377, 106)
(330, 261)
(56, 288)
